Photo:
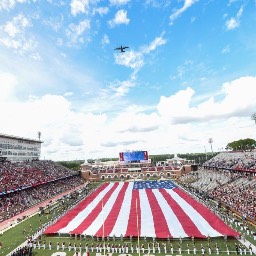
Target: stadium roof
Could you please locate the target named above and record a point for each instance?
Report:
(19, 138)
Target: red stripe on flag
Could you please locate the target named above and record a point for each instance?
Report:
(214, 221)
(63, 222)
(160, 224)
(132, 228)
(188, 225)
(112, 216)
(94, 213)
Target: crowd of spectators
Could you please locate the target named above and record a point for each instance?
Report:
(238, 160)
(239, 195)
(208, 179)
(15, 176)
(221, 179)
(30, 183)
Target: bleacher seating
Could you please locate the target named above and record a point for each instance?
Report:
(15, 176)
(238, 160)
(25, 184)
(230, 179)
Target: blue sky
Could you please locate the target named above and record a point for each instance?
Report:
(189, 74)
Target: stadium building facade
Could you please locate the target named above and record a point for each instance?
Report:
(16, 149)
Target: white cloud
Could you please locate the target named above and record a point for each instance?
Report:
(232, 1)
(238, 100)
(16, 26)
(118, 2)
(101, 11)
(158, 4)
(234, 22)
(105, 40)
(240, 12)
(167, 105)
(117, 89)
(8, 83)
(75, 32)
(10, 4)
(79, 6)
(139, 122)
(135, 60)
(62, 128)
(120, 18)
(130, 59)
(177, 13)
(60, 97)
(158, 41)
(173, 126)
(55, 23)
(13, 34)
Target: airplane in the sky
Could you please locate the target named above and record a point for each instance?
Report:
(122, 48)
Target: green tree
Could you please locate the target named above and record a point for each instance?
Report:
(242, 144)
(74, 165)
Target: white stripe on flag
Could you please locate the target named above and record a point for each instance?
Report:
(202, 224)
(173, 222)
(120, 226)
(97, 223)
(74, 223)
(147, 221)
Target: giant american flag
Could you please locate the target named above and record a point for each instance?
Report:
(158, 209)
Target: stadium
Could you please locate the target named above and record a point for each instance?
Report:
(127, 127)
(128, 206)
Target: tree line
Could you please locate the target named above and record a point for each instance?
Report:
(242, 144)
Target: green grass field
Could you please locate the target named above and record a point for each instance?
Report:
(16, 235)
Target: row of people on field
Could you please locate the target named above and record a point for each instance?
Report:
(142, 248)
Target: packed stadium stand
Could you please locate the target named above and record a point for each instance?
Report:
(238, 161)
(25, 184)
(230, 179)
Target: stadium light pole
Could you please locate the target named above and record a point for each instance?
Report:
(211, 141)
(253, 117)
(205, 153)
(39, 135)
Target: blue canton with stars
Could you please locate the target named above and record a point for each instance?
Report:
(166, 184)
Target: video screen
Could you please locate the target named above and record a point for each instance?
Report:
(133, 156)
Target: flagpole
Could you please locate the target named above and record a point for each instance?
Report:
(138, 226)
(104, 250)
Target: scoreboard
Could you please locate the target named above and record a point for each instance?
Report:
(133, 157)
